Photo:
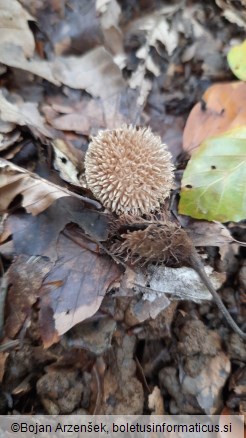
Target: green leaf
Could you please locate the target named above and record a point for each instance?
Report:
(236, 58)
(214, 181)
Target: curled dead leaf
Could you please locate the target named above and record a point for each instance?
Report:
(37, 193)
(68, 161)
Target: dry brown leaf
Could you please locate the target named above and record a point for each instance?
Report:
(150, 64)
(72, 26)
(140, 82)
(72, 122)
(181, 283)
(158, 28)
(6, 127)
(14, 56)
(87, 116)
(38, 235)
(85, 275)
(164, 33)
(14, 26)
(110, 13)
(204, 233)
(155, 402)
(235, 13)
(9, 139)
(20, 151)
(68, 161)
(94, 72)
(223, 110)
(79, 117)
(25, 276)
(3, 358)
(23, 114)
(38, 194)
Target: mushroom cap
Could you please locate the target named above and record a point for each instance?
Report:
(129, 170)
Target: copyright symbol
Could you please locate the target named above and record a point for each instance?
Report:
(15, 427)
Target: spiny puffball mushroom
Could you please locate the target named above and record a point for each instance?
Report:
(158, 242)
(129, 170)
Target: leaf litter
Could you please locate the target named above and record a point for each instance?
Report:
(38, 194)
(222, 110)
(78, 302)
(24, 227)
(24, 113)
(82, 289)
(214, 181)
(14, 27)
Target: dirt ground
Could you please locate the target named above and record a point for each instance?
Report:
(126, 349)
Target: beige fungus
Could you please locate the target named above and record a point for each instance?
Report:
(129, 170)
(158, 242)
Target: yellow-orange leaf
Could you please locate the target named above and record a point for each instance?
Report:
(223, 108)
